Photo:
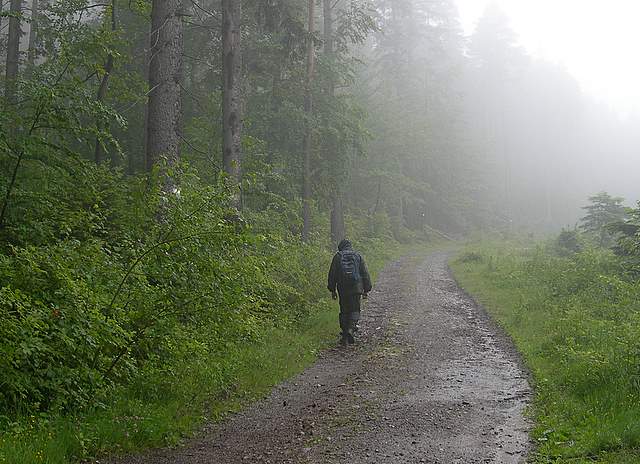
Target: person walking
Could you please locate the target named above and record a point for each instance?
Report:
(349, 277)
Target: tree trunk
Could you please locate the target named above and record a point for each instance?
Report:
(145, 125)
(33, 37)
(374, 211)
(164, 118)
(102, 90)
(1, 18)
(231, 95)
(13, 51)
(331, 147)
(307, 142)
(11, 74)
(337, 220)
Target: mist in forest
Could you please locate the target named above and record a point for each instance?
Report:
(408, 111)
(536, 143)
(566, 134)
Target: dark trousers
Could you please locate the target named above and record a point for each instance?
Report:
(349, 312)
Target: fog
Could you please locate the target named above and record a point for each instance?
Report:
(543, 129)
(455, 115)
(570, 125)
(595, 44)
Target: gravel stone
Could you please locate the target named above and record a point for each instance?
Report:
(432, 379)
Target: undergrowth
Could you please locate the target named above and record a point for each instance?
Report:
(576, 320)
(131, 422)
(138, 317)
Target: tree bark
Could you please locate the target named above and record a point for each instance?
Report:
(11, 74)
(13, 51)
(145, 125)
(33, 36)
(164, 118)
(338, 231)
(102, 90)
(231, 95)
(307, 142)
(374, 211)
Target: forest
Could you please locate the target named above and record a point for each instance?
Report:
(174, 177)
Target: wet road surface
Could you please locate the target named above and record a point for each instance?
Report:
(431, 380)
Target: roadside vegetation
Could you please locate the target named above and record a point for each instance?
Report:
(572, 308)
(130, 332)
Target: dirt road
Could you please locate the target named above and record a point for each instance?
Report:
(431, 381)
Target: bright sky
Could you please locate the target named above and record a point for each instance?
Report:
(597, 41)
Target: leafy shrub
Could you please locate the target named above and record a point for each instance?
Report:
(602, 211)
(125, 298)
(568, 242)
(627, 234)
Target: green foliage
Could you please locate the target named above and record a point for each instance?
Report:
(627, 235)
(576, 320)
(602, 211)
(208, 389)
(568, 242)
(112, 299)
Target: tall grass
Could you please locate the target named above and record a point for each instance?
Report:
(576, 320)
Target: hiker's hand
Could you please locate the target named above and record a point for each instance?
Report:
(365, 296)
(334, 295)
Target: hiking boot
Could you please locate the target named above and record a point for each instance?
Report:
(350, 339)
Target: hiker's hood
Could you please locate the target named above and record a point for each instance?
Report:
(344, 245)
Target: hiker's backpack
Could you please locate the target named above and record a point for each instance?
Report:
(350, 268)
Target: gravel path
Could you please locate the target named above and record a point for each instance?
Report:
(432, 380)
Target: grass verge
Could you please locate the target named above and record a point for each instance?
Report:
(576, 322)
(131, 422)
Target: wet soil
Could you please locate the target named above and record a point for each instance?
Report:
(431, 380)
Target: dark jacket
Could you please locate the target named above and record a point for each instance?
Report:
(335, 274)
